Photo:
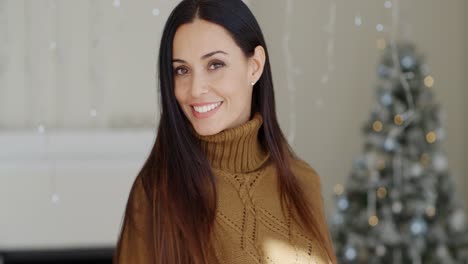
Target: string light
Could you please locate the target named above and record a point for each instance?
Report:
(398, 120)
(395, 56)
(358, 20)
(155, 12)
(397, 207)
(377, 126)
(382, 192)
(330, 29)
(350, 253)
(431, 137)
(55, 198)
(96, 62)
(54, 47)
(379, 27)
(372, 199)
(373, 220)
(338, 189)
(290, 80)
(428, 81)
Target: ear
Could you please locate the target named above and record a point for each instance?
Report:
(256, 63)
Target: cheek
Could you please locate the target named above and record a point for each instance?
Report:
(232, 85)
(238, 95)
(179, 95)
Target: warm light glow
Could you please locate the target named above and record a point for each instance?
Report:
(425, 158)
(382, 192)
(429, 81)
(280, 249)
(377, 126)
(398, 119)
(339, 189)
(431, 137)
(430, 211)
(373, 220)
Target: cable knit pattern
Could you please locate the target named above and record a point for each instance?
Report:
(250, 226)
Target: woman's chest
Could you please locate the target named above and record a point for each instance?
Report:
(251, 227)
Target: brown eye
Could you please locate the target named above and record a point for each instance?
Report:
(217, 65)
(177, 72)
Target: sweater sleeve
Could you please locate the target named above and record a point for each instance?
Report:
(134, 245)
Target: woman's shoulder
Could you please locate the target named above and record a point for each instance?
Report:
(302, 170)
(305, 173)
(139, 196)
(302, 167)
(138, 187)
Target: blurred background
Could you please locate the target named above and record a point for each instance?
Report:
(79, 106)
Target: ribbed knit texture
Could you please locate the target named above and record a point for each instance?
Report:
(237, 149)
(250, 226)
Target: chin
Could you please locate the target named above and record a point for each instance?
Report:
(207, 131)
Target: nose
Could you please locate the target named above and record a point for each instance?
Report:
(199, 85)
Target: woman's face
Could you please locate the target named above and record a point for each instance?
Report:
(212, 77)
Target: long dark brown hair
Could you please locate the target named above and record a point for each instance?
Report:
(178, 177)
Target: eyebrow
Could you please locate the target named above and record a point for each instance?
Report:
(203, 57)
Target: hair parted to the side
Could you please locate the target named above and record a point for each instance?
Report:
(178, 177)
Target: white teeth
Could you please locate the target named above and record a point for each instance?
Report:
(206, 108)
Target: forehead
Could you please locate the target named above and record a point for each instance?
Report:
(200, 37)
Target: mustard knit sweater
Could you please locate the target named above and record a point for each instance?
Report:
(250, 226)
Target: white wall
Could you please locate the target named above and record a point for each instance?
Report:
(465, 95)
(63, 58)
(329, 136)
(106, 57)
(103, 57)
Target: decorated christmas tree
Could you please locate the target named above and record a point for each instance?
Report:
(399, 204)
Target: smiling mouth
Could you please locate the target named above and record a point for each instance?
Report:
(206, 108)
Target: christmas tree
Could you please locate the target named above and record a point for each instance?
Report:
(399, 203)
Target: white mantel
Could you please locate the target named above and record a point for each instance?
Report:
(93, 173)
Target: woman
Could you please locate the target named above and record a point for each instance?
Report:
(221, 184)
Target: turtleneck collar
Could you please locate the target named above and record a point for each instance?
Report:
(236, 150)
